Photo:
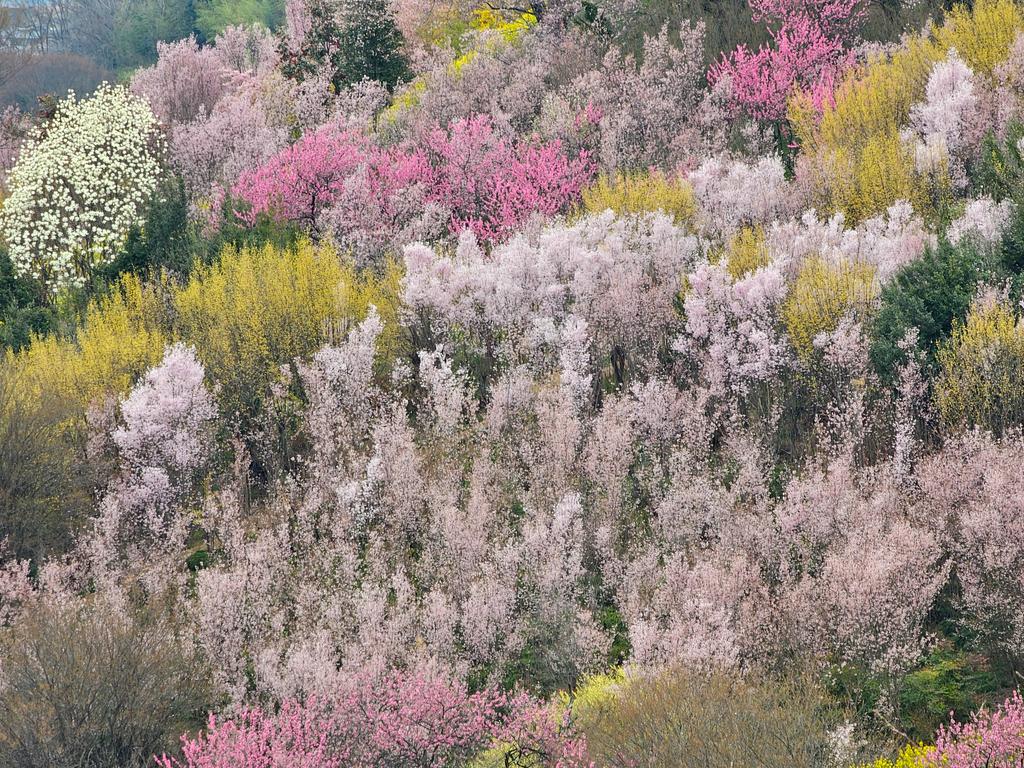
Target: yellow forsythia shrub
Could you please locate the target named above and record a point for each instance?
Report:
(641, 193)
(853, 159)
(982, 33)
(746, 252)
(120, 337)
(486, 17)
(595, 694)
(361, 289)
(911, 756)
(982, 378)
(257, 309)
(823, 293)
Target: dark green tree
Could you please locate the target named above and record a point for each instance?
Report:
(21, 314)
(927, 294)
(165, 240)
(354, 40)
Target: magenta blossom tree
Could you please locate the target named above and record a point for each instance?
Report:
(481, 181)
(492, 185)
(301, 182)
(990, 739)
(412, 720)
(810, 48)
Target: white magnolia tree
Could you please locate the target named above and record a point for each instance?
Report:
(82, 181)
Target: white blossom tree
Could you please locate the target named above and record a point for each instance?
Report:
(81, 182)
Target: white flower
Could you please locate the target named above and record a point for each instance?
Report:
(82, 181)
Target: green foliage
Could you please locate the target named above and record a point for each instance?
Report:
(165, 240)
(21, 313)
(927, 294)
(139, 25)
(213, 16)
(999, 169)
(364, 42)
(1012, 255)
(948, 681)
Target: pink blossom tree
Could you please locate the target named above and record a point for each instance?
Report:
(302, 181)
(811, 42)
(990, 738)
(185, 83)
(487, 184)
(492, 185)
(415, 720)
(164, 444)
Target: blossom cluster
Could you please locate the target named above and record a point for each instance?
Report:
(80, 185)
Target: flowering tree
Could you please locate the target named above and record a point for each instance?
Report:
(989, 738)
(80, 185)
(487, 184)
(415, 720)
(302, 181)
(166, 439)
(492, 185)
(811, 42)
(185, 82)
(213, 151)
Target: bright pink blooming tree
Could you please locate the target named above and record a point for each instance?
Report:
(810, 48)
(492, 185)
(417, 721)
(485, 183)
(990, 739)
(301, 182)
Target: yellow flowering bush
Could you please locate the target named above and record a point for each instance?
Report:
(823, 293)
(853, 158)
(120, 337)
(256, 309)
(641, 193)
(911, 756)
(746, 251)
(982, 370)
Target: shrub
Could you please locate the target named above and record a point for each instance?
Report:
(949, 681)
(403, 720)
(981, 32)
(823, 294)
(165, 239)
(88, 687)
(79, 186)
(746, 252)
(641, 193)
(871, 181)
(911, 756)
(982, 378)
(999, 167)
(120, 336)
(854, 158)
(989, 739)
(928, 294)
(21, 313)
(257, 309)
(682, 719)
(44, 496)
